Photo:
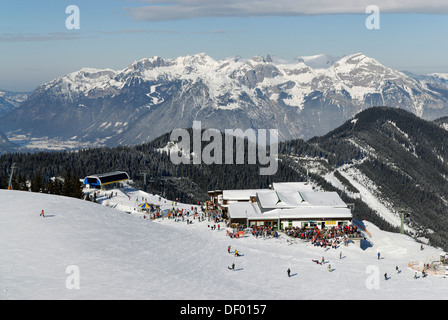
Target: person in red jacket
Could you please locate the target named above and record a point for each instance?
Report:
(42, 213)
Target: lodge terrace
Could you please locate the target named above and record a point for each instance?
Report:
(289, 204)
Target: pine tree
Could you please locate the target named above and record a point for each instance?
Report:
(51, 187)
(19, 183)
(36, 183)
(58, 186)
(4, 183)
(67, 188)
(77, 188)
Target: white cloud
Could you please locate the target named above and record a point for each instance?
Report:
(163, 10)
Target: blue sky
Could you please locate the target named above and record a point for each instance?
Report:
(36, 46)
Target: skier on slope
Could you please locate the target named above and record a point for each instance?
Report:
(228, 249)
(289, 272)
(42, 213)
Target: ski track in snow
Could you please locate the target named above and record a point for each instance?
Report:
(123, 256)
(367, 191)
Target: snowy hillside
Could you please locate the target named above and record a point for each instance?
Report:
(124, 256)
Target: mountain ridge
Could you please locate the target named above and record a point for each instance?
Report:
(389, 157)
(155, 95)
(10, 100)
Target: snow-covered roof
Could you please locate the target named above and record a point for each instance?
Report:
(243, 194)
(242, 210)
(272, 199)
(275, 199)
(324, 198)
(109, 174)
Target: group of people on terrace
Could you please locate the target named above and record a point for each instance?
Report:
(324, 237)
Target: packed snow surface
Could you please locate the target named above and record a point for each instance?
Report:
(119, 255)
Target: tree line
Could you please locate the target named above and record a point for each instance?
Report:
(188, 183)
(68, 185)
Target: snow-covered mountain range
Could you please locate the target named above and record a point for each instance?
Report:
(10, 100)
(302, 98)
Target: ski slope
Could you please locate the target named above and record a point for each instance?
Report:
(124, 256)
(128, 199)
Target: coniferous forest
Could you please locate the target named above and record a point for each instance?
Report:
(187, 182)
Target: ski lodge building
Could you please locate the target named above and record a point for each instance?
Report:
(289, 204)
(99, 181)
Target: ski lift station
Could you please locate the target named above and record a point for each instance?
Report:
(100, 181)
(288, 204)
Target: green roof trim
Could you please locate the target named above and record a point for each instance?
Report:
(303, 200)
(279, 200)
